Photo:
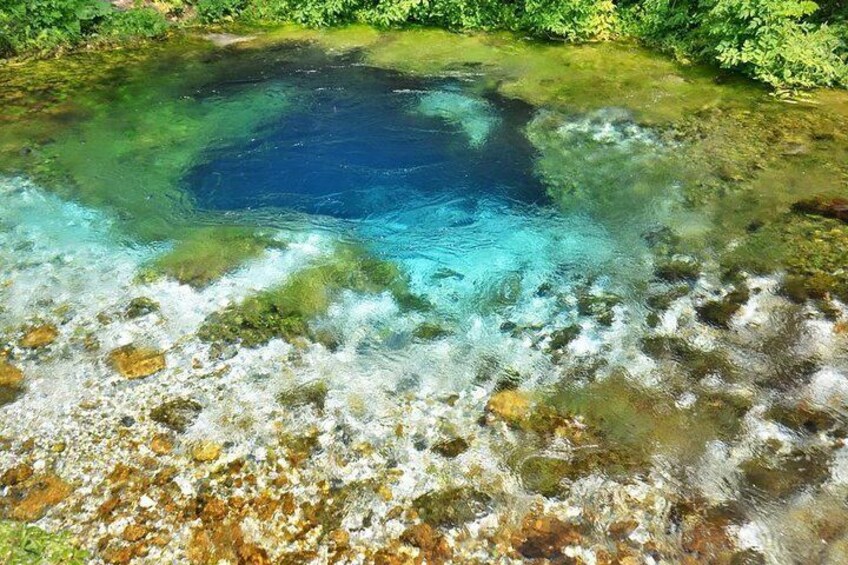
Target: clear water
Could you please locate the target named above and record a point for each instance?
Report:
(506, 217)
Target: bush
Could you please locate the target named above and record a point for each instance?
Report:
(210, 11)
(42, 25)
(142, 22)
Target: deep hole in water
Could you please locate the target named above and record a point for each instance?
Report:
(360, 141)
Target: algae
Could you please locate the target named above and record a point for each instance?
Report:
(21, 544)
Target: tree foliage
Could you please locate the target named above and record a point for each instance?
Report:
(784, 43)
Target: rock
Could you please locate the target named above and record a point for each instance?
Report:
(205, 451)
(434, 547)
(134, 532)
(314, 393)
(161, 444)
(427, 331)
(451, 448)
(451, 507)
(562, 337)
(137, 362)
(545, 537)
(10, 376)
(178, 414)
(16, 475)
(718, 313)
(511, 406)
(40, 336)
(42, 493)
(678, 271)
(141, 306)
(828, 207)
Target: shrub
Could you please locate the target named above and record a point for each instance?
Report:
(42, 25)
(142, 22)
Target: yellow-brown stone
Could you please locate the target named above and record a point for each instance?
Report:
(10, 376)
(512, 406)
(162, 444)
(206, 451)
(137, 362)
(40, 336)
(42, 493)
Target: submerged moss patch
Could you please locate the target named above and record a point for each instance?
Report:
(21, 544)
(205, 254)
(285, 311)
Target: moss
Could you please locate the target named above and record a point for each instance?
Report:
(718, 313)
(678, 270)
(562, 337)
(697, 362)
(285, 311)
(428, 331)
(21, 544)
(662, 301)
(599, 306)
(314, 394)
(141, 306)
(203, 255)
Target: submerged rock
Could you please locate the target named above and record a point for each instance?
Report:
(141, 306)
(313, 393)
(135, 362)
(718, 313)
(434, 547)
(37, 495)
(677, 271)
(451, 448)
(451, 507)
(178, 414)
(39, 336)
(545, 537)
(205, 451)
(828, 207)
(11, 382)
(511, 406)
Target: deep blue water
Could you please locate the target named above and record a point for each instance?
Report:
(361, 141)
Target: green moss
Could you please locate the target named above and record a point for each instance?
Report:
(678, 270)
(562, 337)
(697, 362)
(285, 311)
(204, 254)
(718, 313)
(21, 544)
(314, 393)
(429, 331)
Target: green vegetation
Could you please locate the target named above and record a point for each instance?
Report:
(285, 311)
(784, 43)
(21, 544)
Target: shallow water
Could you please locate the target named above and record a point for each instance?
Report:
(477, 285)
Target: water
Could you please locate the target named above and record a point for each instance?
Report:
(546, 365)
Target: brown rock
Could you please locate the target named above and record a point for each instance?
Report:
(10, 376)
(162, 444)
(544, 537)
(44, 492)
(137, 362)
(434, 547)
(829, 207)
(451, 448)
(40, 336)
(512, 406)
(206, 451)
(16, 475)
(134, 532)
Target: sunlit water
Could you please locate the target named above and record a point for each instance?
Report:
(454, 184)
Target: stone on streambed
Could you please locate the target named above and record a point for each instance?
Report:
(11, 382)
(451, 507)
(511, 406)
(32, 497)
(178, 414)
(141, 306)
(451, 448)
(39, 336)
(135, 362)
(718, 313)
(205, 451)
(828, 207)
(545, 537)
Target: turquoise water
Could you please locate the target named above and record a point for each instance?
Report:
(440, 176)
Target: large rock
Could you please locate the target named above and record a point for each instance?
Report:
(10, 376)
(829, 207)
(512, 406)
(137, 362)
(545, 537)
(39, 496)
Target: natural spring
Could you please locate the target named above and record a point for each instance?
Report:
(390, 296)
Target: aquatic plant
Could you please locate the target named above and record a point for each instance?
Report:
(21, 544)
